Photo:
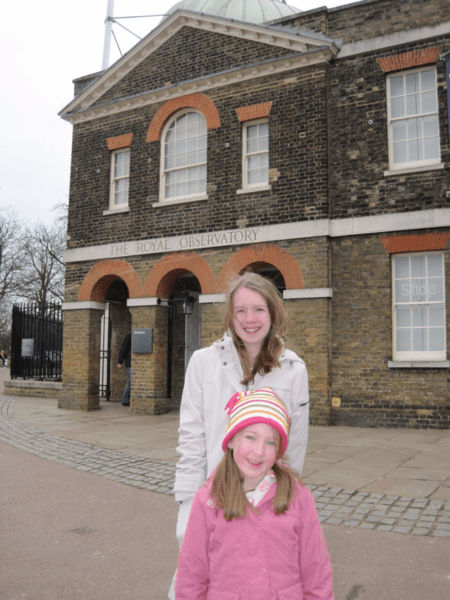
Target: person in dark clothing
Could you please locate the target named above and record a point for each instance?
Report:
(125, 357)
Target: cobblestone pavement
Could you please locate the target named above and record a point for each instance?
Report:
(400, 514)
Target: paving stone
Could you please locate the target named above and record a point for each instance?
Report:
(394, 513)
(388, 521)
(387, 501)
(410, 517)
(352, 503)
(444, 519)
(345, 510)
(428, 518)
(419, 504)
(350, 508)
(402, 529)
(373, 519)
(424, 525)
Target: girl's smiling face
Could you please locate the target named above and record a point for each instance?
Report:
(255, 451)
(251, 319)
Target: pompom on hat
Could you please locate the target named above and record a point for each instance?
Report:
(257, 406)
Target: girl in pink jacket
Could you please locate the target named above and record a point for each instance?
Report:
(253, 531)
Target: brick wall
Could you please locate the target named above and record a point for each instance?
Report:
(298, 161)
(149, 371)
(359, 150)
(191, 53)
(363, 20)
(81, 351)
(371, 393)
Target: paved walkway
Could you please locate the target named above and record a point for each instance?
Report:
(389, 480)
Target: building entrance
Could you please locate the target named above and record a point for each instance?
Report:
(184, 332)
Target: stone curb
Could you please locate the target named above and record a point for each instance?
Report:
(351, 508)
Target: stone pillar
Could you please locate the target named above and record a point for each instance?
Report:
(149, 371)
(81, 355)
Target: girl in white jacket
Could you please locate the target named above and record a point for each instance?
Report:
(251, 353)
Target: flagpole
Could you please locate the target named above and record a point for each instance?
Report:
(108, 30)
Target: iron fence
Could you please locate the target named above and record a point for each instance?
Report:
(36, 344)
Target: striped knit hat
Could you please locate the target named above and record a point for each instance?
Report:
(257, 406)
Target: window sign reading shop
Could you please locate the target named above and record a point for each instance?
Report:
(419, 305)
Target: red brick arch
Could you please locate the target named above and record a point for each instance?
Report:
(198, 101)
(96, 283)
(167, 270)
(257, 256)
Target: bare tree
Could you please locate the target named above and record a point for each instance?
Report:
(11, 258)
(41, 279)
(5, 326)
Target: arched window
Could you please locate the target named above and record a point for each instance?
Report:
(183, 160)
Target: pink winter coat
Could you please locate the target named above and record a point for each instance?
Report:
(261, 557)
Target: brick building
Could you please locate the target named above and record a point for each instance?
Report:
(314, 149)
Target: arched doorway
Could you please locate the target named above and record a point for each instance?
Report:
(269, 272)
(115, 325)
(184, 332)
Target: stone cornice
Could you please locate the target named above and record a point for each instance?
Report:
(306, 50)
(393, 40)
(424, 219)
(202, 85)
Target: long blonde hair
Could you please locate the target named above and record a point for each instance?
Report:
(227, 489)
(272, 346)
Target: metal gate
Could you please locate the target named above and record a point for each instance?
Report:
(36, 341)
(104, 384)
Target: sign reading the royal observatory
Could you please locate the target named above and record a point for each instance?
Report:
(198, 241)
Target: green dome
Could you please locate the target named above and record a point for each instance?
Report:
(250, 11)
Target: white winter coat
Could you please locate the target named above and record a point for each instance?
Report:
(212, 377)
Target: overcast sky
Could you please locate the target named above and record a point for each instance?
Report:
(44, 46)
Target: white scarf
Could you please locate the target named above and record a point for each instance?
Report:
(255, 496)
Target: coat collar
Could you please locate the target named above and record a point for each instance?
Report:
(231, 364)
(263, 498)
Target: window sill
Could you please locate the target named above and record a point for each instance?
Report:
(414, 170)
(163, 203)
(115, 211)
(256, 188)
(419, 364)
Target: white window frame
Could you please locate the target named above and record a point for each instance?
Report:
(202, 195)
(113, 207)
(406, 285)
(260, 185)
(420, 115)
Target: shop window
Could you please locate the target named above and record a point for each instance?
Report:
(120, 176)
(184, 156)
(255, 155)
(413, 119)
(419, 307)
